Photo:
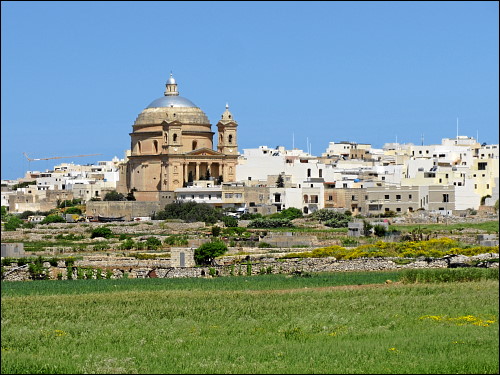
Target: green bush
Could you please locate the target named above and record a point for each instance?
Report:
(13, 222)
(114, 196)
(271, 223)
(206, 253)
(127, 244)
(73, 210)
(216, 231)
(176, 240)
(190, 212)
(289, 213)
(230, 221)
(54, 218)
(153, 243)
(101, 232)
(380, 230)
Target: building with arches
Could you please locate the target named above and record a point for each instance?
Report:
(172, 146)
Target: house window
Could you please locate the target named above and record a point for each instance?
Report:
(481, 166)
(398, 197)
(320, 173)
(309, 173)
(398, 209)
(386, 196)
(409, 196)
(330, 198)
(446, 198)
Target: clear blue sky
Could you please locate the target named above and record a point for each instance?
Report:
(75, 75)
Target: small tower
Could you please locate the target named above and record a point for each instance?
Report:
(227, 141)
(171, 87)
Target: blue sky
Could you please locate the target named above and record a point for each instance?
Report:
(75, 75)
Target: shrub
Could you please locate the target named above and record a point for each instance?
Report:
(54, 218)
(73, 210)
(127, 244)
(271, 223)
(13, 223)
(289, 213)
(153, 243)
(216, 231)
(190, 212)
(249, 216)
(114, 196)
(380, 230)
(101, 232)
(176, 240)
(230, 221)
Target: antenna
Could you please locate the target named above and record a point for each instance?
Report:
(422, 138)
(457, 128)
(307, 144)
(477, 136)
(293, 140)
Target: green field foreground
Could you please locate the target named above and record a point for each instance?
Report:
(326, 323)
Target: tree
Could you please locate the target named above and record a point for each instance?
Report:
(220, 180)
(13, 222)
(73, 210)
(206, 253)
(190, 212)
(207, 175)
(114, 196)
(380, 230)
(280, 182)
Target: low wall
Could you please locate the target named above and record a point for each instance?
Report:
(162, 268)
(129, 209)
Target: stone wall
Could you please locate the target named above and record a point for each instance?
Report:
(163, 268)
(129, 209)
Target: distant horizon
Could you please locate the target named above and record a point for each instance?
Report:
(75, 75)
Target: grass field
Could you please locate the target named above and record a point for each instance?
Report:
(327, 323)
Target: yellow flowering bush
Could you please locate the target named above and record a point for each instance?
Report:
(433, 248)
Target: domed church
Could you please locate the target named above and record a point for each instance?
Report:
(172, 146)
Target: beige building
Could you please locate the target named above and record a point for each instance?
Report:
(172, 145)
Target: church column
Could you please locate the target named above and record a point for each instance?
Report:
(221, 170)
(210, 168)
(197, 170)
(186, 170)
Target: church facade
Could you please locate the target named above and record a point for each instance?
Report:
(172, 146)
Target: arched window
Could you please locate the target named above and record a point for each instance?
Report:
(175, 137)
(195, 145)
(306, 198)
(230, 138)
(139, 147)
(309, 172)
(155, 146)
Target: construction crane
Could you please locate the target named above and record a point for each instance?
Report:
(57, 157)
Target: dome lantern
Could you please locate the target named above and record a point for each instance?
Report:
(171, 87)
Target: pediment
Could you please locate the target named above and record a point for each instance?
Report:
(204, 151)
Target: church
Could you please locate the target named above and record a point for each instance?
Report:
(172, 146)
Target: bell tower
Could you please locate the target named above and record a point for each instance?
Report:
(227, 141)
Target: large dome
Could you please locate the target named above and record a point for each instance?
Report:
(171, 101)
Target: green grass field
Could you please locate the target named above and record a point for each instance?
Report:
(327, 323)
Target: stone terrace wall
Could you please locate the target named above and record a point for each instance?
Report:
(161, 268)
